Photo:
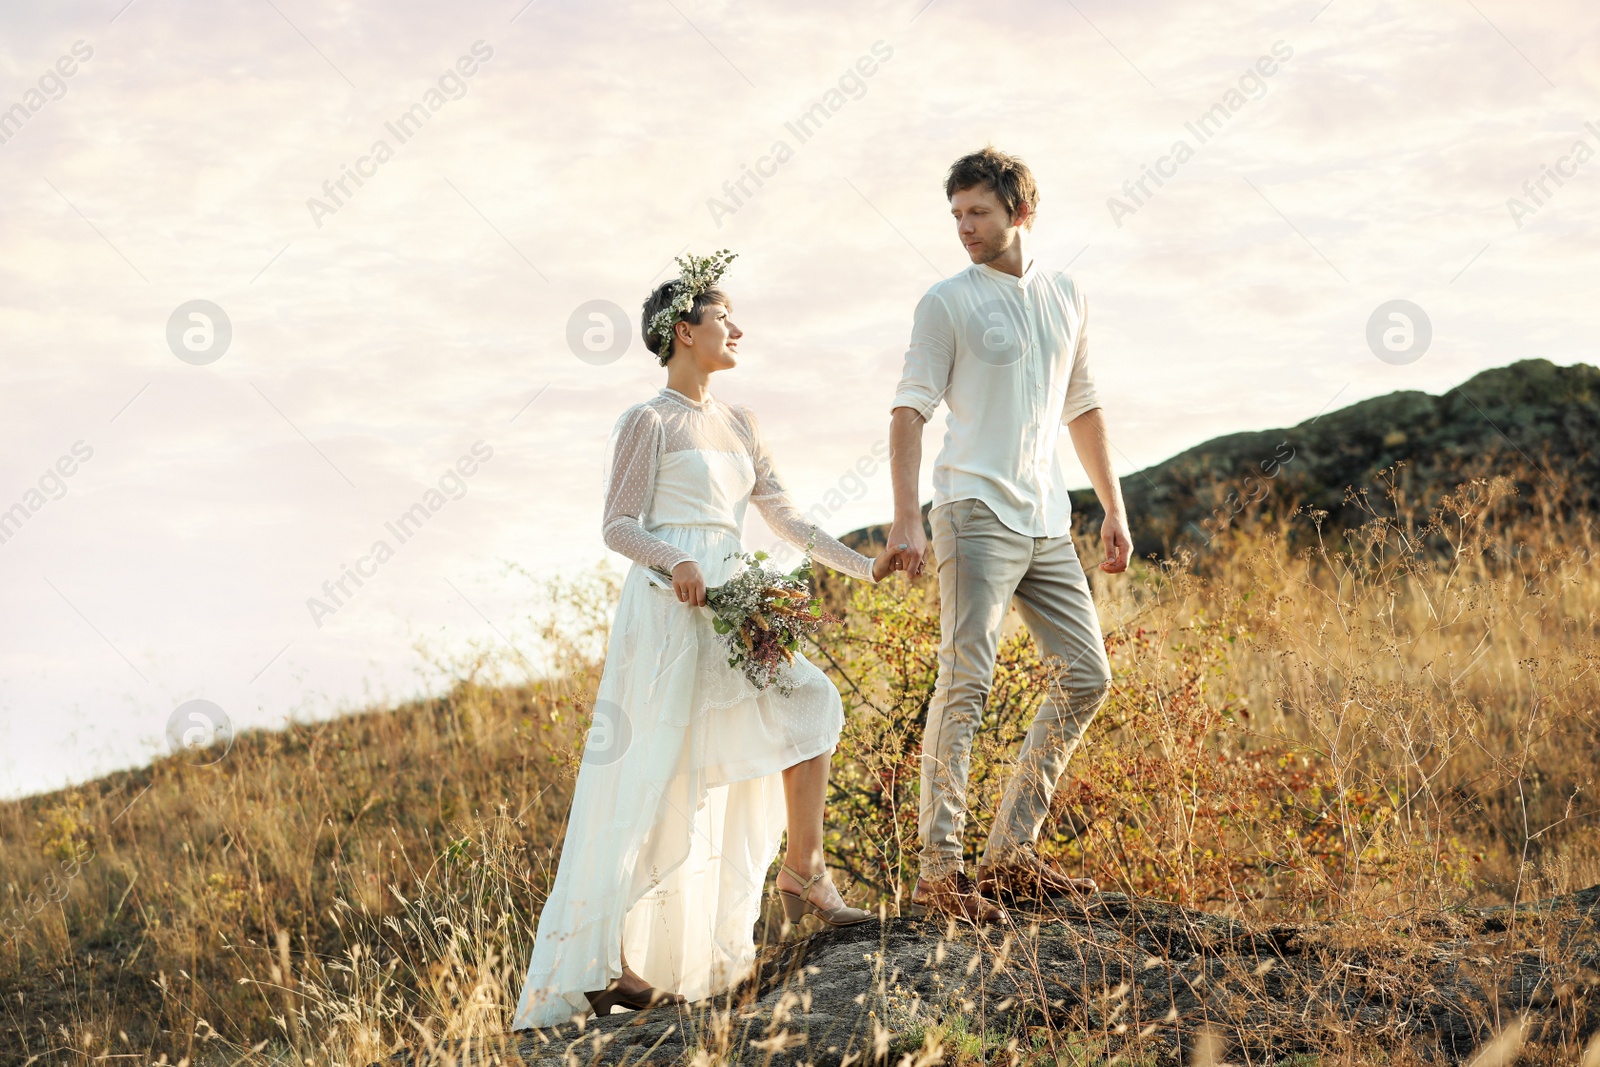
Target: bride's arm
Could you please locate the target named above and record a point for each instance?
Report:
(635, 453)
(772, 500)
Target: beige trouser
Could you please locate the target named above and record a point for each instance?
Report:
(982, 565)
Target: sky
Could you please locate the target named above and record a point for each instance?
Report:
(223, 376)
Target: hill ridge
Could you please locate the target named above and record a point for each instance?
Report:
(1531, 420)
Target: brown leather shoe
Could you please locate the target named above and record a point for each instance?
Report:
(956, 897)
(1026, 875)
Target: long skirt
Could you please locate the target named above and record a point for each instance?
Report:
(678, 811)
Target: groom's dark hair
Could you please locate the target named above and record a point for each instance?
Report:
(661, 297)
(1006, 176)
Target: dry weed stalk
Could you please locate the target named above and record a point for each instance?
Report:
(1372, 728)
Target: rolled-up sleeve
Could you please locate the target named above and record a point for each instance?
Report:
(1081, 396)
(929, 358)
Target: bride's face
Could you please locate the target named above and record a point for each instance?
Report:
(715, 341)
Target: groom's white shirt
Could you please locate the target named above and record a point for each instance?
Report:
(1010, 359)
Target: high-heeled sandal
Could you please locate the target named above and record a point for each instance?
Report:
(601, 1001)
(796, 906)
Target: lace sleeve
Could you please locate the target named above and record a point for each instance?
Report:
(630, 481)
(772, 500)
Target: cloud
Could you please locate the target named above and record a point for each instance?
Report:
(427, 311)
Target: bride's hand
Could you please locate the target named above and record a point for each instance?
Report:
(689, 583)
(884, 562)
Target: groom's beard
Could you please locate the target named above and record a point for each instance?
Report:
(994, 248)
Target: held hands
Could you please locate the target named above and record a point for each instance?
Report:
(1118, 542)
(689, 584)
(909, 546)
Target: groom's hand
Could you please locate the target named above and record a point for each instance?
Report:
(1118, 542)
(909, 543)
(689, 583)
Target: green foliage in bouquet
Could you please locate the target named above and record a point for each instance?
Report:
(761, 614)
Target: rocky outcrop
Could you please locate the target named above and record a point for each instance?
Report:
(1114, 974)
(1532, 420)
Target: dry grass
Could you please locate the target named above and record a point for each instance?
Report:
(1403, 723)
(1371, 731)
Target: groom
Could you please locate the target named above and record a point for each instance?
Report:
(1003, 345)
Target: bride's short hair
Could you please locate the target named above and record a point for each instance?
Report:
(660, 298)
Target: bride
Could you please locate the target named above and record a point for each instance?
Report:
(691, 774)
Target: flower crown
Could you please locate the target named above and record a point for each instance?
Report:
(696, 275)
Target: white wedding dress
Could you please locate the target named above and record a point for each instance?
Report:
(678, 809)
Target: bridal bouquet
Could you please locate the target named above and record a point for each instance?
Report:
(761, 613)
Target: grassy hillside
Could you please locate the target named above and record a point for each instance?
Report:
(307, 890)
(1364, 733)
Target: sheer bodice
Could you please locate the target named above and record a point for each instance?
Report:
(681, 462)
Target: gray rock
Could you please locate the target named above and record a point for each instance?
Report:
(1116, 974)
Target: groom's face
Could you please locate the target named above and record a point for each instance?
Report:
(984, 226)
